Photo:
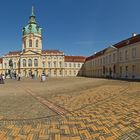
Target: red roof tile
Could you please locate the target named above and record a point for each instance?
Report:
(75, 58)
(118, 45)
(96, 55)
(52, 51)
(128, 41)
(14, 53)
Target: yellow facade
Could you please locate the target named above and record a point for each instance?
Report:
(121, 60)
(33, 61)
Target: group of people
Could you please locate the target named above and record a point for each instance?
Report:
(2, 78)
(18, 77)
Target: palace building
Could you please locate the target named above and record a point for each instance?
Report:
(33, 60)
(121, 60)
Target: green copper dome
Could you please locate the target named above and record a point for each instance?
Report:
(32, 26)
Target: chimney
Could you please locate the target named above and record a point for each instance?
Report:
(134, 34)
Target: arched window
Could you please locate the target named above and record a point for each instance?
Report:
(35, 62)
(30, 43)
(54, 64)
(55, 72)
(14, 65)
(60, 64)
(29, 63)
(24, 62)
(43, 63)
(37, 43)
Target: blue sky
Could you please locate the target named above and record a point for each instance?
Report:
(77, 27)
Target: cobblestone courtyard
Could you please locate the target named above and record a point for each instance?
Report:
(70, 109)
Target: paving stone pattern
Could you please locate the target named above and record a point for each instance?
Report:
(116, 117)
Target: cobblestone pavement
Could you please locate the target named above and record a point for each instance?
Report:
(115, 116)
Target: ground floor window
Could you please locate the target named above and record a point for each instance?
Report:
(120, 71)
(36, 73)
(126, 71)
(24, 72)
(60, 72)
(70, 72)
(133, 71)
(65, 72)
(54, 72)
(29, 73)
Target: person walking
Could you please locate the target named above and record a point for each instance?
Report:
(1, 79)
(43, 77)
(19, 77)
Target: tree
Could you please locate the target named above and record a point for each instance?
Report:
(10, 63)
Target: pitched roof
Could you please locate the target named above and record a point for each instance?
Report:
(123, 43)
(52, 51)
(96, 55)
(14, 53)
(128, 41)
(75, 58)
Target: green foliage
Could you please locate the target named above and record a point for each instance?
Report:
(11, 63)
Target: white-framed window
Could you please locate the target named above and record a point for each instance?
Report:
(120, 56)
(121, 71)
(93, 63)
(24, 62)
(65, 65)
(60, 64)
(101, 61)
(126, 71)
(54, 72)
(60, 72)
(5, 65)
(37, 43)
(65, 72)
(43, 64)
(49, 64)
(54, 64)
(30, 42)
(133, 52)
(35, 62)
(126, 54)
(30, 63)
(109, 58)
(70, 72)
(104, 60)
(114, 57)
(133, 71)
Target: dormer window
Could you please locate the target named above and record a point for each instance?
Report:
(30, 43)
(30, 27)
